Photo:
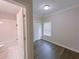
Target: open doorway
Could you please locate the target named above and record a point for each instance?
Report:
(11, 31)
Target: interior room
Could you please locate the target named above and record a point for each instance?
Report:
(56, 29)
(8, 30)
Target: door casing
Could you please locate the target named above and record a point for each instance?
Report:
(27, 26)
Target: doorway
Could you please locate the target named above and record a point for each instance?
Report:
(11, 31)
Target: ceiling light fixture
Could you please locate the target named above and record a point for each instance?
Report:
(46, 7)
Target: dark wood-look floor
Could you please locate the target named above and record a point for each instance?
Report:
(67, 54)
(47, 50)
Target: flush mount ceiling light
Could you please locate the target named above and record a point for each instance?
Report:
(46, 7)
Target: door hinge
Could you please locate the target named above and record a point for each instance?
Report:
(24, 15)
(16, 25)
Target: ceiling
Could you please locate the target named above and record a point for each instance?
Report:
(8, 8)
(55, 5)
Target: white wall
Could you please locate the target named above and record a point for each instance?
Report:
(65, 28)
(37, 28)
(7, 30)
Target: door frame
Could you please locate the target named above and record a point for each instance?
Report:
(28, 27)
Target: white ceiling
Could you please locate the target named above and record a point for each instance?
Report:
(54, 4)
(8, 8)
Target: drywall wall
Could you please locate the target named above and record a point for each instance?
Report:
(4, 15)
(65, 28)
(7, 30)
(37, 28)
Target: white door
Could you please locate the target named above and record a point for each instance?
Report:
(20, 34)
